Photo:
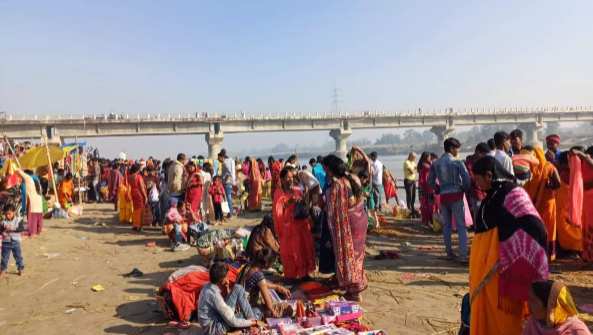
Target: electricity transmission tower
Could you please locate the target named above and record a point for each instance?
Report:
(335, 95)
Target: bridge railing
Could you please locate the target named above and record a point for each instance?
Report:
(122, 117)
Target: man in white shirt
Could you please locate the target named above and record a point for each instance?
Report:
(378, 192)
(502, 141)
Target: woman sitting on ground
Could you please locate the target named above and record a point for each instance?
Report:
(553, 311)
(175, 225)
(261, 237)
(253, 280)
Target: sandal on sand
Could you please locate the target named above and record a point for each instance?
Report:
(463, 261)
(179, 324)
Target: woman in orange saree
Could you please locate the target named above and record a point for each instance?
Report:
(275, 168)
(569, 237)
(296, 242)
(66, 191)
(544, 181)
(139, 197)
(255, 188)
(508, 252)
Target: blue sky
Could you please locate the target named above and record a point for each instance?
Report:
(284, 56)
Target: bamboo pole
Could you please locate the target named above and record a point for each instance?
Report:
(11, 149)
(79, 172)
(51, 169)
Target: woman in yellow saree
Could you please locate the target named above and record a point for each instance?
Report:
(508, 252)
(126, 208)
(544, 181)
(255, 189)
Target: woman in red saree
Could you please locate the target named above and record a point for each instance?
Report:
(193, 187)
(347, 221)
(255, 188)
(275, 168)
(425, 192)
(587, 222)
(544, 181)
(296, 242)
(139, 197)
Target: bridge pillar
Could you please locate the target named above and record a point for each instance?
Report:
(442, 133)
(57, 140)
(533, 140)
(214, 144)
(341, 137)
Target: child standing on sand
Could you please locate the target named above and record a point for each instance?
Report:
(217, 192)
(11, 229)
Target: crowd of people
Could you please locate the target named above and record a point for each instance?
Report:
(525, 205)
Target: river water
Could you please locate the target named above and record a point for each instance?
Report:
(395, 164)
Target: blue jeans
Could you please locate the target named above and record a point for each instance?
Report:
(178, 234)
(236, 297)
(456, 209)
(228, 189)
(476, 206)
(378, 196)
(15, 246)
(156, 211)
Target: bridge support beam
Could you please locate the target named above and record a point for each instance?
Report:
(214, 144)
(532, 135)
(442, 133)
(341, 138)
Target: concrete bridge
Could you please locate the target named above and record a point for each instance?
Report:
(340, 125)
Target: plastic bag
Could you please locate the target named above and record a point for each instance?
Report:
(437, 222)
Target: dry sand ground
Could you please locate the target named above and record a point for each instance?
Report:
(418, 294)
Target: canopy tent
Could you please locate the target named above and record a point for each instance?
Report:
(38, 157)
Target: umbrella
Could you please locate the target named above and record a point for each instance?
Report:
(122, 156)
(38, 157)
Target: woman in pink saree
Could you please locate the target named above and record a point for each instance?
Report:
(348, 223)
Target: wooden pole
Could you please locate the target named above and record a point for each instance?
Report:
(11, 149)
(79, 173)
(51, 169)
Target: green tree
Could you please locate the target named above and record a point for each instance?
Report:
(411, 136)
(389, 139)
(360, 142)
(428, 136)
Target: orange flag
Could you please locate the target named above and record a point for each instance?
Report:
(12, 178)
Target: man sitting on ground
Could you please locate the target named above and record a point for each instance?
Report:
(217, 315)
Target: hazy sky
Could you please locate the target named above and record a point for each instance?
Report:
(284, 56)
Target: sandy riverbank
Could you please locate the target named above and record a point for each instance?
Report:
(418, 294)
